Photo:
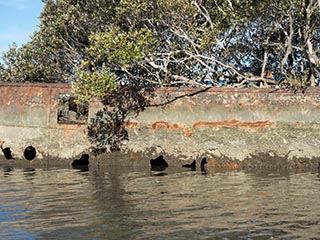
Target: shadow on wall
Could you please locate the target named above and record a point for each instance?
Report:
(69, 112)
(158, 164)
(7, 152)
(82, 163)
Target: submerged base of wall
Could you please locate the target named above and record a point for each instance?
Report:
(132, 160)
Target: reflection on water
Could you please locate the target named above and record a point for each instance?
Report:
(134, 203)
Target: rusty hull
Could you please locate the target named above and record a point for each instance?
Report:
(228, 125)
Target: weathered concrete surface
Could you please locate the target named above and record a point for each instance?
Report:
(228, 125)
(28, 116)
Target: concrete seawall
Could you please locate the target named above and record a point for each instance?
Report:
(226, 124)
(29, 114)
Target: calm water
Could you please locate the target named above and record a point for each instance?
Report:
(134, 203)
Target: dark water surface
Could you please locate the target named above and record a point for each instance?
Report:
(135, 203)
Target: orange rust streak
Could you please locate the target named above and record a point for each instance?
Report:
(258, 124)
(233, 123)
(133, 156)
(215, 124)
(298, 124)
(131, 125)
(160, 124)
(69, 129)
(187, 132)
(213, 165)
(232, 166)
(211, 162)
(167, 125)
(67, 132)
(177, 126)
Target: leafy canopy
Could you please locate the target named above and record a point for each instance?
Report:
(165, 43)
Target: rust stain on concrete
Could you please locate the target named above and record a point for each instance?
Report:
(188, 131)
(212, 166)
(131, 125)
(133, 156)
(211, 161)
(159, 125)
(215, 124)
(84, 132)
(255, 125)
(69, 129)
(229, 166)
(233, 123)
(166, 125)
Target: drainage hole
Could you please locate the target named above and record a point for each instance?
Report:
(30, 153)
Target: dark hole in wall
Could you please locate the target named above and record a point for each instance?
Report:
(69, 112)
(30, 153)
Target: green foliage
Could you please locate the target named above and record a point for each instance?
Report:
(120, 48)
(117, 49)
(93, 84)
(25, 64)
(168, 42)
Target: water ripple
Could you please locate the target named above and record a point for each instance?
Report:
(124, 203)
